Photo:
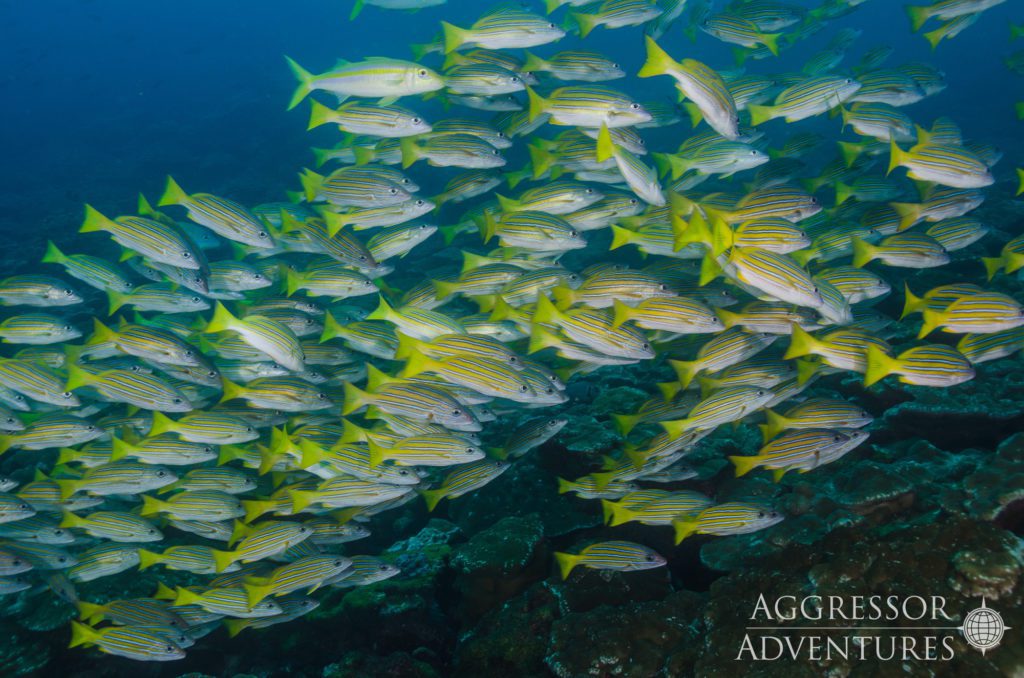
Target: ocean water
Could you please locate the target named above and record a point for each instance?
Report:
(106, 98)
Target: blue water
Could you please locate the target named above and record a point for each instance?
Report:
(103, 99)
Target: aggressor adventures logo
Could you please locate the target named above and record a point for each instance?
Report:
(886, 628)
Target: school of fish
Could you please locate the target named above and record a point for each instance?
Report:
(253, 385)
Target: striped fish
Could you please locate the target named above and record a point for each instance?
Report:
(104, 560)
(93, 271)
(463, 480)
(802, 450)
(822, 413)
(53, 430)
(725, 519)
(305, 573)
(265, 335)
(114, 525)
(575, 65)
(375, 77)
(139, 389)
(622, 556)
(905, 250)
(811, 96)
(37, 328)
(844, 349)
(979, 313)
(587, 106)
(979, 348)
(728, 348)
(934, 365)
(659, 511)
(37, 290)
(699, 83)
(948, 165)
(127, 641)
(195, 505)
(230, 601)
(502, 28)
(357, 117)
(164, 297)
(721, 407)
(152, 239)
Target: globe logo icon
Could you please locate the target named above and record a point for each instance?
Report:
(983, 628)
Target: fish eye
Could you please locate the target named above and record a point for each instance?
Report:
(257, 276)
(68, 293)
(186, 255)
(524, 388)
(574, 277)
(90, 428)
(150, 531)
(416, 121)
(403, 472)
(248, 429)
(15, 562)
(212, 373)
(177, 401)
(501, 135)
(469, 450)
(66, 394)
(160, 474)
(456, 413)
(573, 234)
(615, 66)
(551, 25)
(188, 354)
(23, 507)
(262, 234)
(393, 191)
(849, 80)
(196, 299)
(760, 514)
(339, 563)
(514, 79)
(760, 392)
(422, 72)
(662, 287)
(753, 152)
(815, 289)
(420, 203)
(837, 437)
(634, 201)
(62, 559)
(635, 107)
(321, 396)
(650, 559)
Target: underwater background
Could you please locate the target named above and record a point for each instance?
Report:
(106, 98)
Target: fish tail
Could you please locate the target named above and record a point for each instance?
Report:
(454, 37)
(418, 363)
(320, 115)
(82, 634)
(586, 22)
(693, 110)
(683, 528)
(863, 252)
(675, 428)
(382, 312)
(332, 328)
(658, 61)
(222, 560)
(932, 319)
(760, 114)
(669, 389)
(1020, 182)
(805, 369)
(235, 626)
(311, 181)
(545, 311)
(69, 519)
(771, 41)
(354, 398)
(843, 192)
(161, 424)
(774, 424)
(709, 270)
(744, 465)
(231, 390)
(538, 106)
(77, 377)
(541, 338)
(605, 144)
(254, 593)
(686, 370)
(293, 282)
(356, 9)
(934, 37)
(850, 151)
(533, 63)
(254, 508)
(541, 160)
(148, 559)
(94, 221)
(53, 255)
(608, 509)
(432, 498)
(221, 320)
(912, 303)
(306, 80)
(722, 235)
(801, 343)
(375, 456)
(566, 563)
(444, 289)
(173, 194)
(565, 486)
(879, 365)
(896, 155)
(729, 318)
(619, 515)
(67, 487)
(910, 214)
(151, 505)
(620, 236)
(622, 313)
(564, 297)
(918, 15)
(182, 596)
(410, 151)
(993, 265)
